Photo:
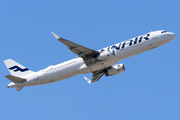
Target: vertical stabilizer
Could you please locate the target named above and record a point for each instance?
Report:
(16, 69)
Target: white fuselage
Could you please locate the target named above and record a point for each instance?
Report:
(77, 66)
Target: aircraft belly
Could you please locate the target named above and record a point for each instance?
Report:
(66, 73)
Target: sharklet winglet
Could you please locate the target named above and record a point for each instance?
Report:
(56, 36)
(88, 80)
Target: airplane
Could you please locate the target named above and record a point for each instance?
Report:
(98, 63)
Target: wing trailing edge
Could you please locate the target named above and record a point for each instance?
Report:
(85, 53)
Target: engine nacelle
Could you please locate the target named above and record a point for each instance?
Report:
(116, 69)
(105, 55)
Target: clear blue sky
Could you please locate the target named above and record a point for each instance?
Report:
(149, 89)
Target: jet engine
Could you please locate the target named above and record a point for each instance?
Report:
(116, 69)
(105, 55)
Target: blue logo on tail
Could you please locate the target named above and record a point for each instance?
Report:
(16, 68)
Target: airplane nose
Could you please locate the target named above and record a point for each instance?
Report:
(172, 35)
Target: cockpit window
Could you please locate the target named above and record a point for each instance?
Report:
(163, 31)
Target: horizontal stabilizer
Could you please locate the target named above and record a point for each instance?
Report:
(15, 79)
(18, 88)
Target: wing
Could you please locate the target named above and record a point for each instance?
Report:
(81, 51)
(97, 75)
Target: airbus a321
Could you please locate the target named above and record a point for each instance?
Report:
(98, 63)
